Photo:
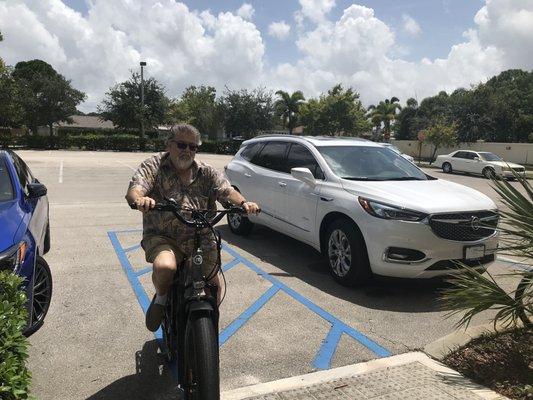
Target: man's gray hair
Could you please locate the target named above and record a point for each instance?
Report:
(185, 128)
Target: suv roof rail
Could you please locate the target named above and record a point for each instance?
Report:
(274, 135)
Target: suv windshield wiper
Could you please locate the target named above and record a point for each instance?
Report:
(406, 178)
(357, 178)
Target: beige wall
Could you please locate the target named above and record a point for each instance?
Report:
(521, 153)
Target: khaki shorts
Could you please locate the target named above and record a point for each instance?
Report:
(153, 245)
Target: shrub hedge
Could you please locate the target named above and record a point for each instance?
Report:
(14, 376)
(98, 141)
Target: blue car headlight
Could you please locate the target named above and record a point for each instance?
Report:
(12, 258)
(386, 211)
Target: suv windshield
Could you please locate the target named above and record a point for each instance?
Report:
(490, 156)
(6, 188)
(365, 163)
(395, 149)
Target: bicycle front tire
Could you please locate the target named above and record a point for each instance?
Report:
(202, 374)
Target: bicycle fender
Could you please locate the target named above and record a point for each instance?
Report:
(200, 306)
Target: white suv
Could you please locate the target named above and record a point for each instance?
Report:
(366, 208)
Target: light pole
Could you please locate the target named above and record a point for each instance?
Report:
(143, 64)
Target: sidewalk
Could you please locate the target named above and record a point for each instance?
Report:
(410, 376)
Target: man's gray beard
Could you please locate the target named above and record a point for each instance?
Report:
(184, 164)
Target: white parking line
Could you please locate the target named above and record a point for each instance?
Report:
(126, 165)
(61, 172)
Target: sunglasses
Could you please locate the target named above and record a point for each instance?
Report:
(183, 145)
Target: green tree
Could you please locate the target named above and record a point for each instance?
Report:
(407, 124)
(247, 113)
(339, 112)
(510, 104)
(10, 108)
(288, 106)
(2, 65)
(45, 96)
(11, 111)
(198, 106)
(384, 113)
(469, 111)
(122, 104)
(441, 134)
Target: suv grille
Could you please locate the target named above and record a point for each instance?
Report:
(464, 227)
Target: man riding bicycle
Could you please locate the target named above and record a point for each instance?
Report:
(194, 185)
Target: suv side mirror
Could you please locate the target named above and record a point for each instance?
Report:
(36, 190)
(304, 175)
(476, 158)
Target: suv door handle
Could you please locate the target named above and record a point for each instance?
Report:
(282, 184)
(246, 174)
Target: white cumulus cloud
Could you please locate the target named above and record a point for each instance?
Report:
(410, 25)
(246, 11)
(279, 30)
(181, 47)
(314, 10)
(508, 25)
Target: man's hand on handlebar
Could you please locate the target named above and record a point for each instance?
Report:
(144, 204)
(251, 208)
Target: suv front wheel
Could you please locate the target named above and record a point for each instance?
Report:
(346, 253)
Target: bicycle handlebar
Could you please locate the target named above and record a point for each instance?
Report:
(200, 219)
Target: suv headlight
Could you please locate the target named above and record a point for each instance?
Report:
(387, 211)
(12, 258)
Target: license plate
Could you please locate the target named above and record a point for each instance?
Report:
(474, 252)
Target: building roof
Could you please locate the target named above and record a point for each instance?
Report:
(87, 121)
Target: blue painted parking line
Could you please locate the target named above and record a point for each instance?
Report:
(230, 265)
(133, 278)
(246, 315)
(143, 271)
(132, 248)
(324, 356)
(327, 350)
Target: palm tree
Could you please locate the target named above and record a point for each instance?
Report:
(384, 113)
(288, 107)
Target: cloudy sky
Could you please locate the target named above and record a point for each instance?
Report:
(382, 48)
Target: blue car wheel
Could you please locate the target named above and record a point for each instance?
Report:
(42, 295)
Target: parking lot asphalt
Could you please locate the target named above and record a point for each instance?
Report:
(283, 315)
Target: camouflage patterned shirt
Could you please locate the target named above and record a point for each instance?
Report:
(156, 177)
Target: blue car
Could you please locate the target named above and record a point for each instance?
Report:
(25, 234)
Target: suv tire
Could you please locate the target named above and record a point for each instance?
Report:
(346, 253)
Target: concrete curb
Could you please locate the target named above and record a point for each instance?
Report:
(321, 377)
(440, 348)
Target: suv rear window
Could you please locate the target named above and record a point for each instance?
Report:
(272, 156)
(251, 150)
(6, 188)
(461, 154)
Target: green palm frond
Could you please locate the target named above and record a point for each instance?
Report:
(471, 292)
(517, 223)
